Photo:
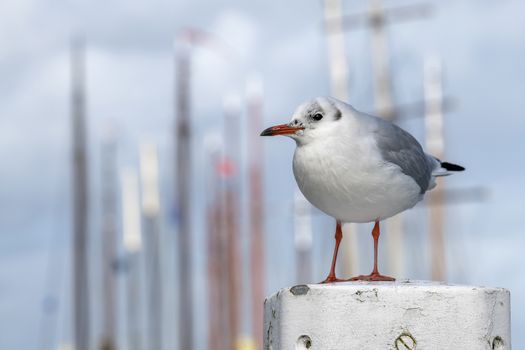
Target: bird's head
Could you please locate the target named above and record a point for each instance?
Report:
(311, 120)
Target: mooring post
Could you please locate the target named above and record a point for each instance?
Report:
(404, 315)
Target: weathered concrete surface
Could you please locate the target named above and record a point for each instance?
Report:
(401, 315)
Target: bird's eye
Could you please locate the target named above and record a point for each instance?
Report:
(318, 116)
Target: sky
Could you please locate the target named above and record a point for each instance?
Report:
(130, 55)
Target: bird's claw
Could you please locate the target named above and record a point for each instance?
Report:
(373, 277)
(331, 279)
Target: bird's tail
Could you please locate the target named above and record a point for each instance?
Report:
(446, 168)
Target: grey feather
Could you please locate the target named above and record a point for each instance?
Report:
(400, 148)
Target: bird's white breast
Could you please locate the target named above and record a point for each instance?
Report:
(345, 177)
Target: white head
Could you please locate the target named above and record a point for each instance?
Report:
(313, 119)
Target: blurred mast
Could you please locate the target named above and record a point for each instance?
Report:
(384, 105)
(377, 18)
(131, 227)
(303, 238)
(231, 203)
(149, 173)
(188, 37)
(219, 299)
(215, 254)
(338, 63)
(256, 159)
(79, 254)
(109, 241)
(380, 62)
(182, 195)
(336, 49)
(435, 146)
(435, 107)
(220, 214)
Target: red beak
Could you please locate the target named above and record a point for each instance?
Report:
(282, 129)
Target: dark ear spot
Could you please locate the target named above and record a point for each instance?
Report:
(338, 114)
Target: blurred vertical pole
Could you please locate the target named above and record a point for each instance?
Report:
(223, 169)
(256, 162)
(109, 241)
(149, 173)
(79, 254)
(225, 299)
(380, 62)
(132, 244)
(336, 49)
(231, 201)
(435, 146)
(333, 15)
(216, 335)
(182, 197)
(303, 238)
(384, 106)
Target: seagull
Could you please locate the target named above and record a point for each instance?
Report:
(357, 168)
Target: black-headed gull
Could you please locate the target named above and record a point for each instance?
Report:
(357, 168)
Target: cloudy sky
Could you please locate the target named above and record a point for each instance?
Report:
(130, 46)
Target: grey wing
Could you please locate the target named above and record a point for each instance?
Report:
(399, 147)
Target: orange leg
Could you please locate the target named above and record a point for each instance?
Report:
(338, 236)
(375, 275)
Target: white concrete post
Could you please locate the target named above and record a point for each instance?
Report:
(399, 316)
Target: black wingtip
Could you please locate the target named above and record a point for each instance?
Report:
(452, 167)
